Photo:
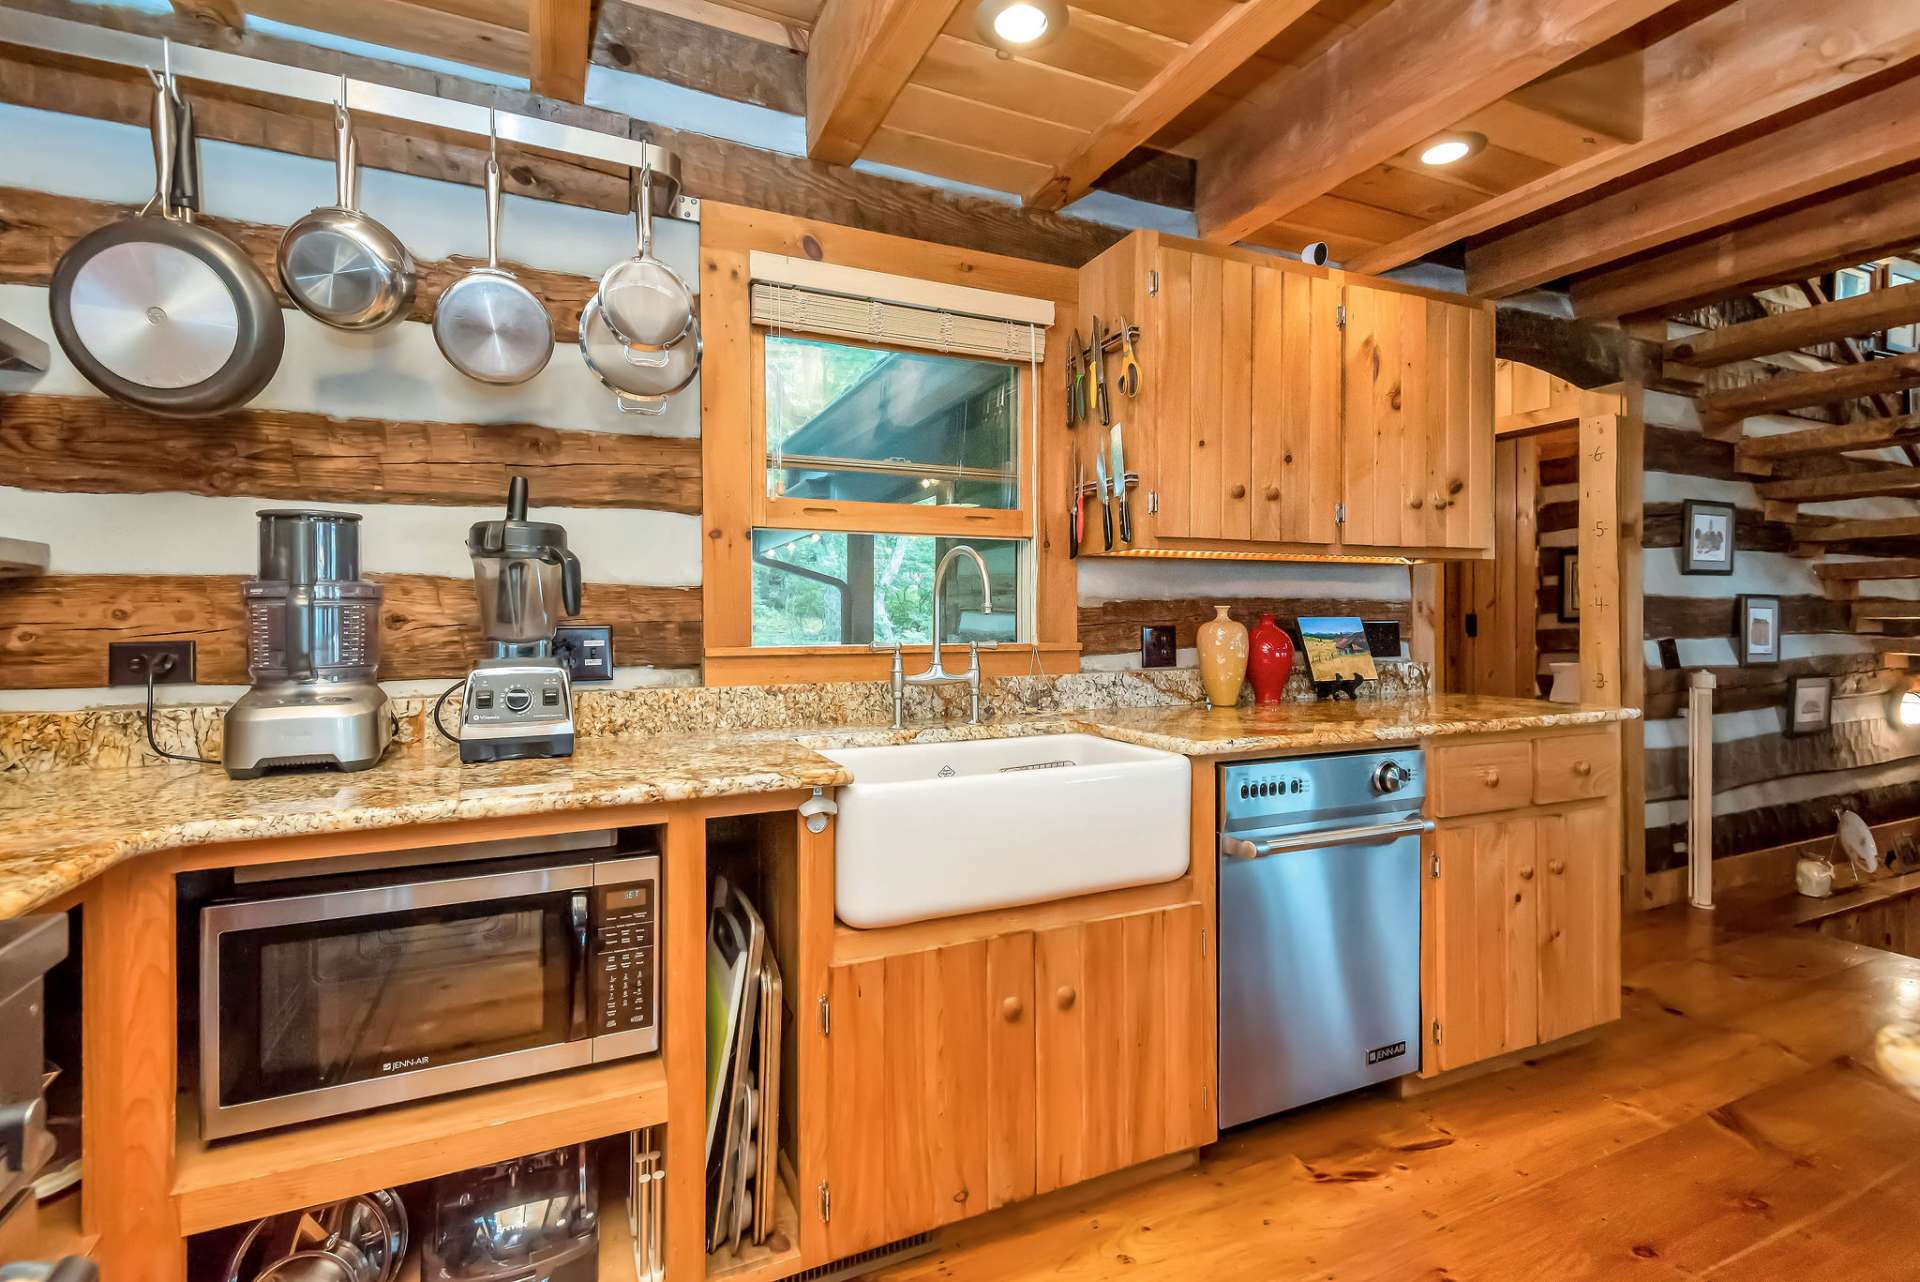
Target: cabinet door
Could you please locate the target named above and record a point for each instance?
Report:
(1479, 953)
(1124, 1044)
(1296, 357)
(930, 1070)
(1579, 920)
(1417, 421)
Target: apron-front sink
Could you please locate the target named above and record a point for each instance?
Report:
(937, 829)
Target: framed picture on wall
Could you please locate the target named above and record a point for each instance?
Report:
(1809, 705)
(1706, 537)
(1758, 640)
(1570, 587)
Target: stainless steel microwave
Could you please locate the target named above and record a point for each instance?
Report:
(403, 982)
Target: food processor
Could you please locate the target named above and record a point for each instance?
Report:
(518, 701)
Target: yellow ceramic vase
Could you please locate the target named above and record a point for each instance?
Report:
(1223, 658)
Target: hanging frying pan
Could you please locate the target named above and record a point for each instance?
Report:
(339, 266)
(161, 313)
(489, 326)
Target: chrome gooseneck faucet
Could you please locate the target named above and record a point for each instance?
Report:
(936, 673)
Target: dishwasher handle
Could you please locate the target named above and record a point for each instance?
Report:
(1239, 848)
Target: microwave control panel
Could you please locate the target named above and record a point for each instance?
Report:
(626, 928)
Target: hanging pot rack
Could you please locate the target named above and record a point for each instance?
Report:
(322, 88)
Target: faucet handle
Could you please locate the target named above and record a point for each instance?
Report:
(983, 645)
(881, 647)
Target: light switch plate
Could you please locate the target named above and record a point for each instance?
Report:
(586, 650)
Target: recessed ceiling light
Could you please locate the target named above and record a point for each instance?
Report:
(1449, 149)
(1012, 26)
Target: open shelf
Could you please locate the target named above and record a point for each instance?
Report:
(777, 1257)
(58, 1233)
(240, 1179)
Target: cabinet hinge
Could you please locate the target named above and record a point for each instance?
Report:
(1339, 513)
(1472, 624)
(1203, 941)
(1436, 1042)
(1153, 502)
(1434, 872)
(1340, 316)
(826, 1017)
(826, 1202)
(1153, 284)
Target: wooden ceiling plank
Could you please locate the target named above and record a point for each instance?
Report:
(1097, 48)
(1748, 61)
(936, 113)
(1800, 391)
(1236, 36)
(1851, 227)
(970, 70)
(1795, 331)
(1380, 90)
(559, 32)
(723, 17)
(861, 55)
(1853, 141)
(219, 13)
(945, 158)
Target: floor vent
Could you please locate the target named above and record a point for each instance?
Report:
(907, 1248)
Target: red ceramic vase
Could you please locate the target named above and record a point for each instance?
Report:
(1270, 660)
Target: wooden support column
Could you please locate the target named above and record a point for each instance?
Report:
(1427, 638)
(685, 1041)
(1600, 639)
(128, 992)
(813, 894)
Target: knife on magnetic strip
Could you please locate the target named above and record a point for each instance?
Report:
(1120, 483)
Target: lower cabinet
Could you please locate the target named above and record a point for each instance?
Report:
(972, 1075)
(1521, 939)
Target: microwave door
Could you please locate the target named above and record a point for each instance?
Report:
(327, 1003)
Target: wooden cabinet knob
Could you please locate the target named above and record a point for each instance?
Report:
(1526, 874)
(1556, 866)
(1490, 777)
(1440, 504)
(1064, 996)
(1239, 491)
(1456, 485)
(1011, 1009)
(1416, 502)
(1583, 768)
(1273, 492)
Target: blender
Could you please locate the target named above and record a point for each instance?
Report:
(313, 649)
(518, 701)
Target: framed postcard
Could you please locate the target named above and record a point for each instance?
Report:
(1570, 587)
(1336, 649)
(1706, 537)
(1809, 705)
(1758, 640)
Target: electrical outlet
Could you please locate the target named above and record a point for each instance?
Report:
(1157, 646)
(587, 651)
(128, 662)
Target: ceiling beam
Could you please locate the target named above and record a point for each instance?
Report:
(861, 55)
(220, 13)
(559, 33)
(1892, 482)
(1800, 391)
(469, 40)
(1389, 85)
(1855, 140)
(1756, 455)
(1794, 331)
(1748, 61)
(1850, 227)
(1239, 33)
(693, 54)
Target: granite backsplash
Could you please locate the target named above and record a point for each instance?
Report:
(32, 742)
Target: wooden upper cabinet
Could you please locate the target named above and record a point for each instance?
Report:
(1417, 420)
(1259, 415)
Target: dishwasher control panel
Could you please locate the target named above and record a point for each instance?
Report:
(1295, 790)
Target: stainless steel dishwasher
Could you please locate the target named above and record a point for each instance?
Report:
(1319, 927)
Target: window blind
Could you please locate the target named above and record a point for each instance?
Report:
(808, 311)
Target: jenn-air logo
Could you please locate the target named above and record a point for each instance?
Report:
(402, 1065)
(1380, 1054)
(946, 772)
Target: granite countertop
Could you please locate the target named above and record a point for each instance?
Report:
(61, 828)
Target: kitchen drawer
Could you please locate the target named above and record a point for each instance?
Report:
(1472, 778)
(1575, 767)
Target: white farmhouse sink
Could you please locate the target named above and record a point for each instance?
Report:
(935, 829)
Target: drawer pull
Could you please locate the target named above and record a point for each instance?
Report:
(1526, 874)
(1273, 491)
(1064, 997)
(1415, 502)
(1239, 491)
(1583, 768)
(1490, 777)
(1011, 1009)
(1556, 866)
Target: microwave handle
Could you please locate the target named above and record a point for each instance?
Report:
(582, 961)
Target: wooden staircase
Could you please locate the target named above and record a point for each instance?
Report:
(1820, 464)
